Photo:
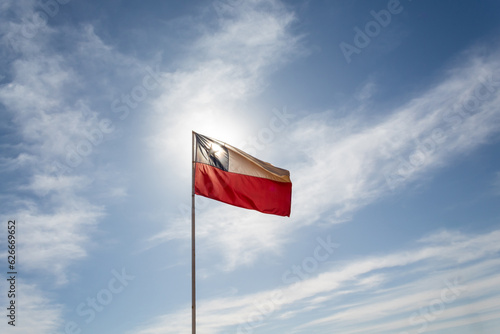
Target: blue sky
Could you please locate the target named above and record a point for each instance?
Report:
(385, 112)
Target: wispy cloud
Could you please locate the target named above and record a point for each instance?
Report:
(374, 294)
(344, 164)
(358, 163)
(35, 311)
(55, 96)
(54, 240)
(44, 97)
(226, 65)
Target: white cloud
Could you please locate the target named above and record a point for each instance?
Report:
(226, 65)
(43, 184)
(51, 241)
(35, 313)
(50, 120)
(366, 91)
(255, 35)
(344, 164)
(365, 164)
(341, 166)
(387, 291)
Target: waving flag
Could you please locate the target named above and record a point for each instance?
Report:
(227, 174)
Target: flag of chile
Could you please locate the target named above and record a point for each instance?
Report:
(227, 174)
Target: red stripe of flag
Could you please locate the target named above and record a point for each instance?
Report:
(249, 192)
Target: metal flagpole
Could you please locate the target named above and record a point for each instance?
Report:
(193, 259)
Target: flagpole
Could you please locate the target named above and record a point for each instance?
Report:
(193, 259)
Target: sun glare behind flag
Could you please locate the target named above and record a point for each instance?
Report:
(227, 174)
